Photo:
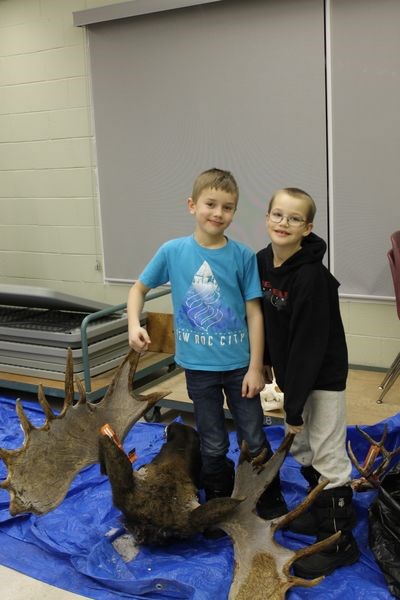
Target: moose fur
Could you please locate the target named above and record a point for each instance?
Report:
(159, 501)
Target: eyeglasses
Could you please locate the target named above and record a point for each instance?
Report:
(277, 216)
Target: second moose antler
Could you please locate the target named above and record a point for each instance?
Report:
(262, 566)
(41, 471)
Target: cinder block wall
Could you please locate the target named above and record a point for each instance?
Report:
(49, 227)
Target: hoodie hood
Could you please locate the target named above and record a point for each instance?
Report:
(312, 250)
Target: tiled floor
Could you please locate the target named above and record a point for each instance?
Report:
(16, 586)
(362, 409)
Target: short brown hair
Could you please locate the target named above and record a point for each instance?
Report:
(216, 179)
(301, 195)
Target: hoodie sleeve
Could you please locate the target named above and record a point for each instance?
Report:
(262, 258)
(267, 356)
(308, 338)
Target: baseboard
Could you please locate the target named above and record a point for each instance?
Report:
(367, 368)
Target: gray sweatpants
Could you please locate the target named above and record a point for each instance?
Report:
(322, 442)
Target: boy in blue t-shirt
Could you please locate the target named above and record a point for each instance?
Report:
(219, 328)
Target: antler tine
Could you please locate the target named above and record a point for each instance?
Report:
(259, 461)
(244, 453)
(25, 422)
(384, 435)
(132, 371)
(305, 582)
(133, 358)
(81, 390)
(354, 459)
(5, 485)
(388, 456)
(314, 548)
(300, 508)
(393, 453)
(44, 404)
(69, 383)
(371, 440)
(5, 455)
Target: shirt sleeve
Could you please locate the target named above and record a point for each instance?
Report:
(252, 285)
(156, 271)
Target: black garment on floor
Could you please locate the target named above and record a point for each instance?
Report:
(384, 529)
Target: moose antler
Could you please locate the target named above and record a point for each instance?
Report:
(371, 478)
(41, 471)
(262, 566)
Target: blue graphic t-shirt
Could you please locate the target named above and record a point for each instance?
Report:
(209, 291)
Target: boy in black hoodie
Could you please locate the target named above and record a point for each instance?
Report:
(306, 347)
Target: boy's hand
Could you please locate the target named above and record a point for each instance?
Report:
(253, 383)
(139, 339)
(293, 428)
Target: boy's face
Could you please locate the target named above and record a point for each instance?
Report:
(293, 227)
(214, 211)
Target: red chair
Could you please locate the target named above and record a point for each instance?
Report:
(394, 262)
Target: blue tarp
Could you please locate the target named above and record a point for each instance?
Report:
(72, 547)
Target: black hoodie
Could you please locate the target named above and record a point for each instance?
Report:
(305, 341)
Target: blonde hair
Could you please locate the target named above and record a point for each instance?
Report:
(216, 179)
(301, 195)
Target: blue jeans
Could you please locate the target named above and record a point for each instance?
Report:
(206, 390)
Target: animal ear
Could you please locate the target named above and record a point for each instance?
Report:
(212, 512)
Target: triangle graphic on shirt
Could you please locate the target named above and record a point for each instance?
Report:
(203, 308)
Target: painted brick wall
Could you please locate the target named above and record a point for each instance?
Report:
(49, 231)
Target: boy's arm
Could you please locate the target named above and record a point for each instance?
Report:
(139, 339)
(253, 381)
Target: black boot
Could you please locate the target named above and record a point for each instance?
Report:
(271, 503)
(306, 524)
(311, 475)
(334, 511)
(218, 485)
